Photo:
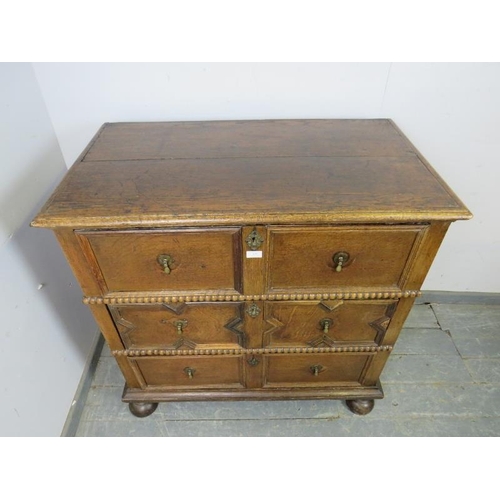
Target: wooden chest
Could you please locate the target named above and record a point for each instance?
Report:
(251, 259)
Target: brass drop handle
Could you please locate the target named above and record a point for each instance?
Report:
(165, 261)
(340, 259)
(179, 325)
(189, 371)
(325, 324)
(316, 369)
(339, 264)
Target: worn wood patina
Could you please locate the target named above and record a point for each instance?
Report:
(272, 259)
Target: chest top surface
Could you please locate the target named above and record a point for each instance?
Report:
(233, 172)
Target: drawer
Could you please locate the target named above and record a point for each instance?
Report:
(172, 260)
(180, 326)
(349, 257)
(193, 372)
(327, 323)
(304, 370)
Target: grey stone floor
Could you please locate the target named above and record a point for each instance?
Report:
(442, 379)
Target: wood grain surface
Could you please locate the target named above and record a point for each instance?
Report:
(224, 318)
(247, 139)
(296, 323)
(298, 371)
(302, 258)
(203, 326)
(295, 171)
(201, 260)
(206, 372)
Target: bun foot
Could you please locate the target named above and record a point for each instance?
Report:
(142, 410)
(360, 406)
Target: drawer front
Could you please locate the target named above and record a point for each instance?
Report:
(171, 260)
(181, 325)
(327, 323)
(314, 370)
(347, 257)
(193, 372)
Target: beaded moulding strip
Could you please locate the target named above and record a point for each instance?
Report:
(239, 352)
(164, 299)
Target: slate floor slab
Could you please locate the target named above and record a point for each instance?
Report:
(107, 373)
(475, 329)
(478, 347)
(430, 341)
(357, 426)
(484, 370)
(442, 379)
(421, 316)
(426, 369)
(438, 400)
(467, 320)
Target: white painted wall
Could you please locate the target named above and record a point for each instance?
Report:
(450, 111)
(45, 334)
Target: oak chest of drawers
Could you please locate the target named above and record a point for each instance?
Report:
(251, 259)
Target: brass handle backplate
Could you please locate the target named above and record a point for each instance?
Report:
(180, 324)
(254, 240)
(189, 371)
(340, 259)
(253, 310)
(165, 261)
(253, 361)
(317, 369)
(326, 324)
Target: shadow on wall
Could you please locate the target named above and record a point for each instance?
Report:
(43, 260)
